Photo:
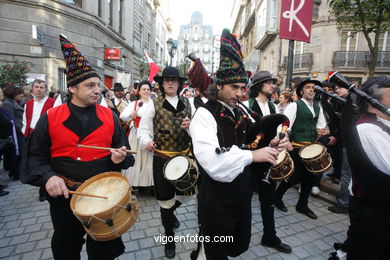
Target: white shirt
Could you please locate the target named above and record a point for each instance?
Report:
(263, 106)
(291, 113)
(145, 130)
(36, 113)
(193, 108)
(376, 144)
(224, 167)
(126, 113)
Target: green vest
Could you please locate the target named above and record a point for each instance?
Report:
(166, 126)
(255, 106)
(304, 128)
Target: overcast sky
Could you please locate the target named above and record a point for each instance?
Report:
(215, 12)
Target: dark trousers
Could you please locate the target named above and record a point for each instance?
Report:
(300, 175)
(164, 189)
(68, 236)
(267, 203)
(227, 215)
(369, 232)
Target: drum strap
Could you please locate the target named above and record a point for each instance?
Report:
(300, 144)
(168, 154)
(72, 185)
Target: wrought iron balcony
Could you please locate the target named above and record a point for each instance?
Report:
(352, 59)
(383, 60)
(301, 61)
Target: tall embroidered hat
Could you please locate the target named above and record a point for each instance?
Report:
(78, 68)
(231, 68)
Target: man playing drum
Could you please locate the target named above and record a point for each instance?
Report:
(307, 120)
(56, 163)
(163, 129)
(262, 86)
(218, 130)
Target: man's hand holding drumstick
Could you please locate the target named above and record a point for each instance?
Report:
(55, 186)
(118, 155)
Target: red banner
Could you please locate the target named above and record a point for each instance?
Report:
(295, 20)
(112, 54)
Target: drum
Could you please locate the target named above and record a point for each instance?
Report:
(283, 168)
(105, 219)
(315, 158)
(182, 172)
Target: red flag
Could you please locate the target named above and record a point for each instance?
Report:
(295, 20)
(153, 68)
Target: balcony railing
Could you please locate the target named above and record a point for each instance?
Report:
(359, 59)
(353, 59)
(301, 61)
(383, 60)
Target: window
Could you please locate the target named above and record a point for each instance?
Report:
(141, 35)
(316, 7)
(272, 15)
(110, 14)
(61, 79)
(384, 41)
(121, 10)
(349, 41)
(300, 47)
(149, 43)
(100, 8)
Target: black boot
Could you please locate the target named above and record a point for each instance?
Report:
(176, 223)
(302, 205)
(280, 191)
(270, 238)
(168, 220)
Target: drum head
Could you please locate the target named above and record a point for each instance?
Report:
(114, 188)
(176, 167)
(311, 151)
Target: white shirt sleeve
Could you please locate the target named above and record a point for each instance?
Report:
(376, 144)
(321, 123)
(24, 122)
(145, 130)
(224, 167)
(291, 113)
(125, 115)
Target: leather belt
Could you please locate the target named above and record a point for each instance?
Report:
(72, 185)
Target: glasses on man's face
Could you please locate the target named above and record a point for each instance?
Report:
(171, 79)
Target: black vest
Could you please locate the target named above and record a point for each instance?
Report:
(230, 132)
(369, 184)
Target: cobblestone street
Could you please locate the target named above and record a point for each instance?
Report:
(26, 229)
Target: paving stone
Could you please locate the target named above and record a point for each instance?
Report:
(5, 251)
(47, 254)
(147, 242)
(24, 248)
(15, 231)
(143, 254)
(19, 239)
(38, 235)
(35, 255)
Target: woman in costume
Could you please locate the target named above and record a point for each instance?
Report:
(141, 175)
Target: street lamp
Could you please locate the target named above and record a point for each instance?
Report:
(172, 47)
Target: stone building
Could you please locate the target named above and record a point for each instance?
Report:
(257, 24)
(198, 38)
(29, 31)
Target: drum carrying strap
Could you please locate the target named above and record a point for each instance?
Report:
(169, 154)
(300, 144)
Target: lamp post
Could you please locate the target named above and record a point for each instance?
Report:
(172, 47)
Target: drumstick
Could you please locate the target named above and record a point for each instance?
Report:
(102, 148)
(87, 195)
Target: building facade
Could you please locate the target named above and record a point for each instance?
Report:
(30, 28)
(257, 24)
(198, 38)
